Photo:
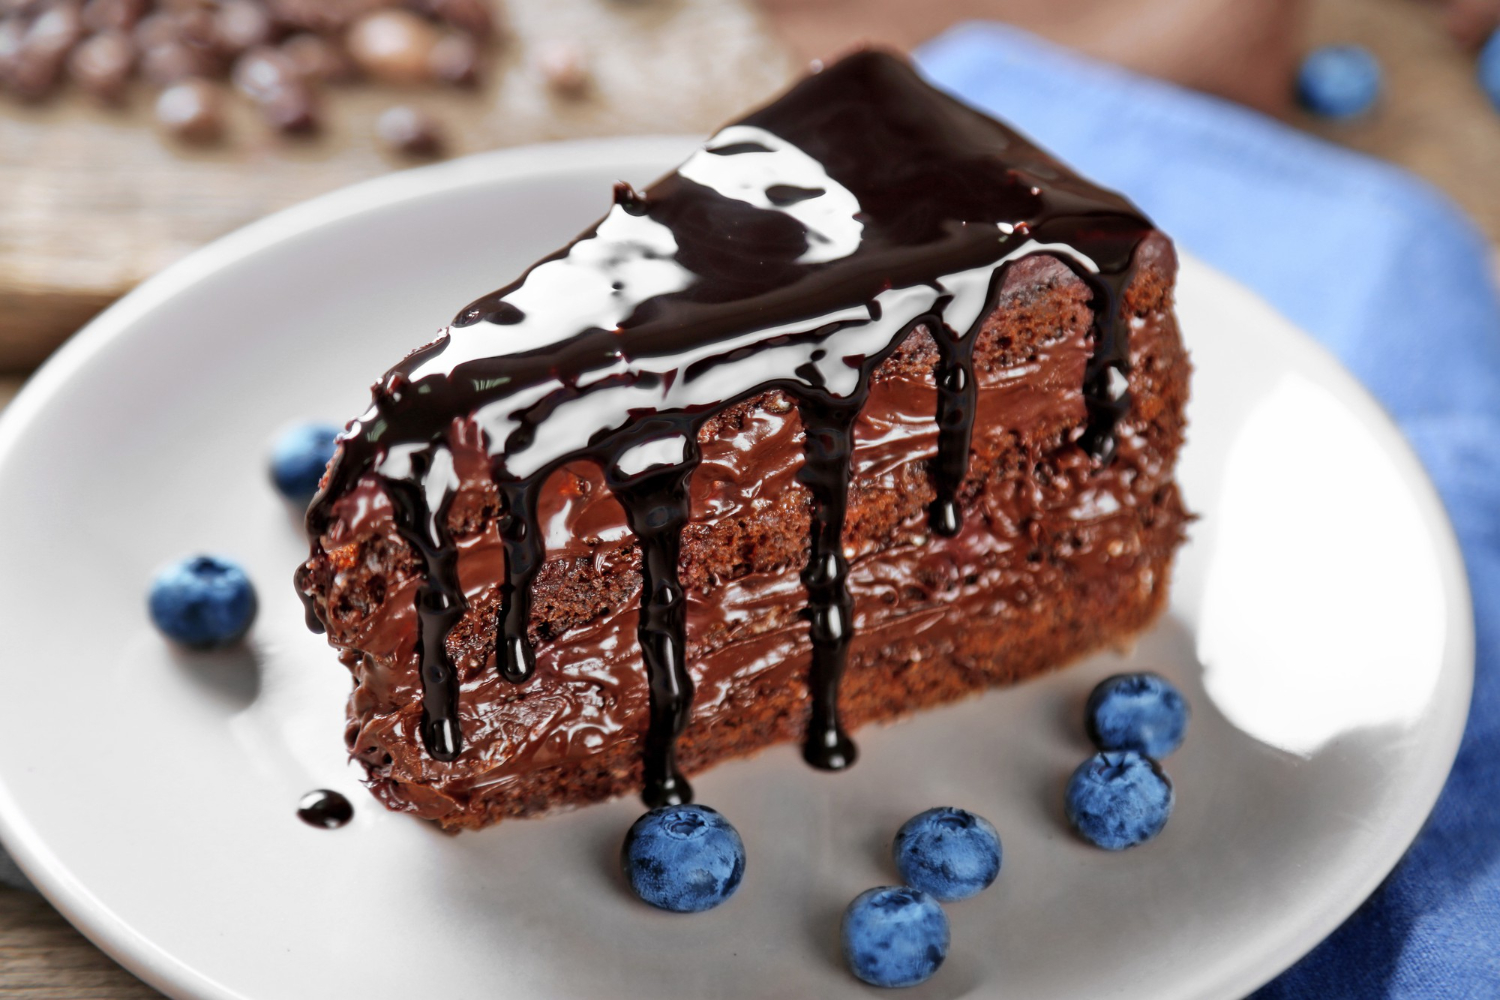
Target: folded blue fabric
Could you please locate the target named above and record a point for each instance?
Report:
(1389, 275)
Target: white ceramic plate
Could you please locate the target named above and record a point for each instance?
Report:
(1320, 624)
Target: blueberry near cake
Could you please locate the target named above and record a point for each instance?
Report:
(868, 406)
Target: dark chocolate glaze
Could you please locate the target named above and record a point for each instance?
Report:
(828, 446)
(796, 251)
(656, 507)
(324, 809)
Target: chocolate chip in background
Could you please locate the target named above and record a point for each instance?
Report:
(32, 76)
(12, 37)
(192, 110)
(454, 60)
(410, 132)
(172, 62)
(323, 16)
(473, 16)
(241, 25)
(263, 71)
(393, 46)
(196, 26)
(113, 15)
(154, 29)
(55, 30)
(564, 67)
(102, 64)
(292, 110)
(319, 59)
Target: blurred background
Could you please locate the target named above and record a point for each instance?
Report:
(134, 131)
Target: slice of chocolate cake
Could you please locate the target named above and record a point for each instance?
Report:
(868, 406)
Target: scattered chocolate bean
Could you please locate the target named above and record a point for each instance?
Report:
(55, 30)
(322, 16)
(293, 109)
(564, 67)
(12, 37)
(393, 45)
(113, 15)
(102, 64)
(196, 27)
(454, 60)
(319, 60)
(33, 77)
(275, 51)
(471, 16)
(192, 110)
(153, 30)
(263, 71)
(241, 25)
(173, 62)
(407, 131)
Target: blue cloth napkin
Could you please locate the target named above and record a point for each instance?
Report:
(1389, 275)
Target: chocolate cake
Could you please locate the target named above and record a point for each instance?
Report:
(868, 406)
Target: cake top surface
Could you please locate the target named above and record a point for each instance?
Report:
(798, 235)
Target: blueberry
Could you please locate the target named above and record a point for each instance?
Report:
(1118, 798)
(894, 936)
(948, 853)
(683, 858)
(1338, 81)
(1141, 712)
(203, 602)
(1489, 68)
(299, 457)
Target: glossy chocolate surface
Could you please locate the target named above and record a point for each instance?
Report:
(795, 253)
(324, 809)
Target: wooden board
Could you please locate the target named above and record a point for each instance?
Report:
(92, 201)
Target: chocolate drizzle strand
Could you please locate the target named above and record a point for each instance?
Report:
(523, 557)
(794, 253)
(656, 506)
(828, 447)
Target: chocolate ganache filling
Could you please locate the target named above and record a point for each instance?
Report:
(794, 252)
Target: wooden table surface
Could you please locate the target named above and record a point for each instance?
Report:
(1433, 120)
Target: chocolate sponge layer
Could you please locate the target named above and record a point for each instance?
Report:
(1059, 555)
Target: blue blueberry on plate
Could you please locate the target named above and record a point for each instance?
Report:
(1141, 712)
(894, 936)
(204, 602)
(1489, 69)
(948, 853)
(1118, 799)
(683, 858)
(1338, 81)
(298, 458)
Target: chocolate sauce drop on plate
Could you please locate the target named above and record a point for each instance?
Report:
(794, 252)
(325, 809)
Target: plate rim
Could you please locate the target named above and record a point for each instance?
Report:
(174, 977)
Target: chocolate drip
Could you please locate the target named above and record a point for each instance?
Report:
(656, 506)
(440, 606)
(1107, 402)
(958, 394)
(794, 252)
(828, 450)
(523, 557)
(324, 809)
